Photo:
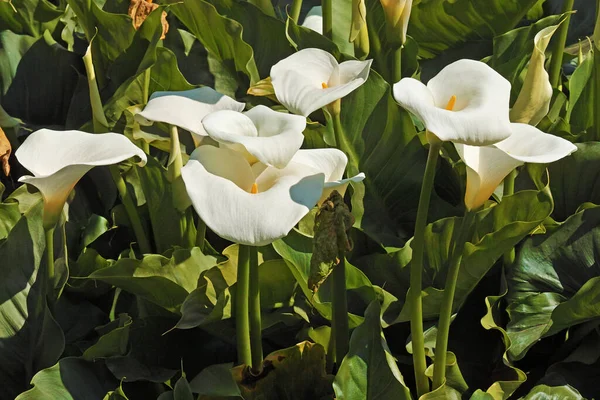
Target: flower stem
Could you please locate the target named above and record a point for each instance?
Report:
(131, 209)
(113, 308)
(50, 257)
(242, 323)
(296, 7)
(441, 342)
(327, 10)
(509, 188)
(255, 321)
(339, 304)
(175, 160)
(265, 6)
(559, 46)
(397, 54)
(414, 295)
(146, 87)
(200, 233)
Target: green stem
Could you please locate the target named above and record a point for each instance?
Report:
(375, 44)
(327, 10)
(559, 46)
(339, 304)
(131, 209)
(98, 118)
(397, 65)
(113, 308)
(265, 6)
(200, 233)
(255, 321)
(441, 341)
(414, 295)
(242, 323)
(330, 356)
(338, 130)
(509, 188)
(175, 160)
(50, 257)
(296, 7)
(64, 243)
(146, 88)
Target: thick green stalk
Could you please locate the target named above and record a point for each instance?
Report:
(339, 304)
(416, 268)
(50, 257)
(265, 6)
(146, 88)
(175, 160)
(296, 7)
(397, 54)
(200, 233)
(441, 341)
(113, 308)
(255, 318)
(131, 209)
(327, 10)
(509, 188)
(559, 46)
(242, 323)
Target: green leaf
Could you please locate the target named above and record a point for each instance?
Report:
(30, 338)
(9, 216)
(169, 226)
(29, 17)
(574, 180)
(113, 342)
(554, 282)
(438, 25)
(543, 392)
(580, 109)
(215, 380)
(223, 41)
(182, 390)
(161, 280)
(71, 378)
(369, 370)
(296, 250)
(498, 229)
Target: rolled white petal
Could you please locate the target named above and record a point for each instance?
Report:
(298, 80)
(186, 109)
(529, 144)
(487, 166)
(481, 113)
(58, 159)
(225, 163)
(246, 218)
(265, 135)
(314, 19)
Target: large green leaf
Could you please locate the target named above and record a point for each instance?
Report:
(30, 17)
(544, 392)
(223, 41)
(369, 370)
(580, 110)
(498, 229)
(9, 216)
(575, 180)
(438, 25)
(161, 280)
(30, 338)
(555, 282)
(71, 378)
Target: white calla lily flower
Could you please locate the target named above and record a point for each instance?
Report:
(314, 19)
(466, 102)
(397, 15)
(186, 109)
(487, 166)
(312, 78)
(257, 204)
(59, 159)
(261, 134)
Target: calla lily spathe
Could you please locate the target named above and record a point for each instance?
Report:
(487, 166)
(397, 14)
(312, 78)
(257, 204)
(314, 19)
(261, 134)
(534, 99)
(466, 102)
(58, 160)
(186, 109)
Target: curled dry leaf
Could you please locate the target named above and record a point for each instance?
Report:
(332, 223)
(139, 11)
(5, 150)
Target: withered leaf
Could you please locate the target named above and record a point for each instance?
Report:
(139, 11)
(5, 150)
